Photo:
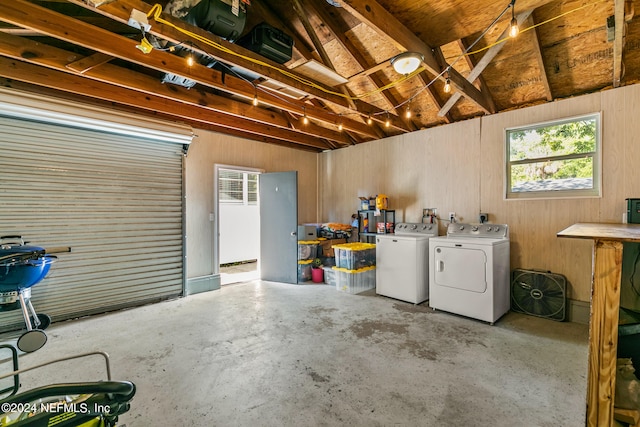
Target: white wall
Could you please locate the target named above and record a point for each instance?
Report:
(460, 167)
(210, 148)
(239, 232)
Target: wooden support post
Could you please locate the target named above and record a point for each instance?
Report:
(603, 331)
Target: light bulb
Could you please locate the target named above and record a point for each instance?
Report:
(190, 61)
(255, 101)
(340, 126)
(369, 121)
(514, 30)
(305, 119)
(408, 113)
(447, 85)
(387, 123)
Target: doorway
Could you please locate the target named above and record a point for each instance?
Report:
(238, 223)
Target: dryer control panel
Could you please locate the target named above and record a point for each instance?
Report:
(492, 231)
(416, 228)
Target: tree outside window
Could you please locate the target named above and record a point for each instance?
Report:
(556, 159)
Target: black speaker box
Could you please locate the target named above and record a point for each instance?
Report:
(269, 42)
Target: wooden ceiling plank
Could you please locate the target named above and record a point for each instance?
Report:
(121, 9)
(39, 54)
(40, 76)
(330, 23)
(297, 7)
(371, 70)
(482, 85)
(89, 62)
(381, 20)
(540, 59)
(618, 42)
(71, 30)
(484, 61)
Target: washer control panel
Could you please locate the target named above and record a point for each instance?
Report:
(492, 231)
(412, 228)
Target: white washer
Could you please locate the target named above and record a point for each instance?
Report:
(469, 271)
(402, 262)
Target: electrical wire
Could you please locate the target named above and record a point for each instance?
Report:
(497, 42)
(156, 11)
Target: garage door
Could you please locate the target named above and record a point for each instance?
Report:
(114, 195)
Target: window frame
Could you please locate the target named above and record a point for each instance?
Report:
(594, 192)
(244, 192)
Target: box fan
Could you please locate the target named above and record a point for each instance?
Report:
(539, 293)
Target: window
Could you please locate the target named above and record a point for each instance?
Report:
(555, 159)
(238, 187)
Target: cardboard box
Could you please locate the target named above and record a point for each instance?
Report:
(326, 246)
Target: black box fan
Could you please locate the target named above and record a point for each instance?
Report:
(539, 293)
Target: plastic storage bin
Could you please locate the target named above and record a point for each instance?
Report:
(308, 249)
(355, 281)
(354, 256)
(330, 277)
(304, 270)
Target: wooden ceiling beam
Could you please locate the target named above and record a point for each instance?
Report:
(88, 63)
(51, 57)
(539, 58)
(41, 90)
(339, 35)
(326, 60)
(121, 9)
(618, 42)
(484, 61)
(385, 24)
(22, 13)
(36, 75)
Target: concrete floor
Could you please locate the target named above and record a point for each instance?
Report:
(271, 354)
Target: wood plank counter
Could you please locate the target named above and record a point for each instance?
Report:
(605, 305)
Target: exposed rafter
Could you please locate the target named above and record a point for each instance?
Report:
(482, 64)
(121, 10)
(379, 19)
(538, 51)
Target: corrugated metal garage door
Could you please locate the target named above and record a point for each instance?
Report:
(115, 199)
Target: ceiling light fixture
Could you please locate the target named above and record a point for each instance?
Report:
(514, 30)
(387, 123)
(407, 62)
(369, 120)
(305, 119)
(190, 60)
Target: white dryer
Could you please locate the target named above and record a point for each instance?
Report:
(469, 271)
(402, 262)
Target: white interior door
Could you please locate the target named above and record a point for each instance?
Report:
(278, 226)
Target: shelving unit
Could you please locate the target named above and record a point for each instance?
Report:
(386, 216)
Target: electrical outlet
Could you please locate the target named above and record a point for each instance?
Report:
(483, 217)
(452, 216)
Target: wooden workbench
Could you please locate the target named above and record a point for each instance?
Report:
(605, 304)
